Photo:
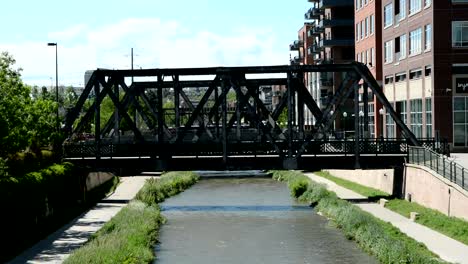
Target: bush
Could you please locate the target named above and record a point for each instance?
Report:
(379, 238)
(130, 235)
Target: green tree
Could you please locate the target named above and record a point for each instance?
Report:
(14, 97)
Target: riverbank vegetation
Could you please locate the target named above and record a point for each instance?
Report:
(129, 237)
(453, 227)
(376, 237)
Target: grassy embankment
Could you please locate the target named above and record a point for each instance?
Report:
(453, 227)
(376, 237)
(130, 235)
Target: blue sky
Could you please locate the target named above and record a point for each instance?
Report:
(177, 33)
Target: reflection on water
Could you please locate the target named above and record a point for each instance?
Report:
(248, 221)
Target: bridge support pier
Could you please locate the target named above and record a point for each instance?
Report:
(290, 164)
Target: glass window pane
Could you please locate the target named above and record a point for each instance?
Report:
(459, 117)
(459, 103)
(459, 135)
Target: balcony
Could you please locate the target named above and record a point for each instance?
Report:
(296, 60)
(313, 13)
(295, 45)
(335, 3)
(314, 49)
(328, 23)
(336, 43)
(315, 31)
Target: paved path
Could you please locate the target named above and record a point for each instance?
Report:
(56, 247)
(447, 248)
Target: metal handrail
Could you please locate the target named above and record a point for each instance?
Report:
(448, 169)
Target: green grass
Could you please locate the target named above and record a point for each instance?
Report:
(453, 227)
(376, 237)
(129, 237)
(362, 190)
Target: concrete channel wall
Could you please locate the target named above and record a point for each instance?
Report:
(94, 179)
(425, 187)
(377, 179)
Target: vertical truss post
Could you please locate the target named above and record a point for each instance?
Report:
(290, 115)
(160, 109)
(356, 127)
(365, 100)
(300, 109)
(177, 102)
(116, 115)
(225, 88)
(238, 115)
(216, 113)
(97, 120)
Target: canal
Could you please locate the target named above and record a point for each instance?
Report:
(248, 221)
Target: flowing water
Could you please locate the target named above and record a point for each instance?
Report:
(248, 221)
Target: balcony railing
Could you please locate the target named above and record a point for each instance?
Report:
(313, 13)
(336, 43)
(327, 23)
(335, 3)
(295, 45)
(314, 49)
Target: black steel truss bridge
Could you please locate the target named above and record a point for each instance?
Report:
(214, 118)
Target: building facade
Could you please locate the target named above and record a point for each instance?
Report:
(326, 37)
(368, 50)
(426, 79)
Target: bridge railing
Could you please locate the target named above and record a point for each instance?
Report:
(319, 147)
(439, 163)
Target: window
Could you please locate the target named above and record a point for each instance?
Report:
(460, 34)
(388, 15)
(415, 74)
(427, 37)
(388, 79)
(427, 3)
(460, 121)
(358, 32)
(400, 47)
(402, 9)
(400, 77)
(428, 118)
(372, 24)
(415, 41)
(367, 26)
(363, 30)
(388, 52)
(427, 71)
(368, 58)
(416, 117)
(414, 6)
(390, 126)
(372, 57)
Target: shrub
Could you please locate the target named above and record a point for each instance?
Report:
(378, 238)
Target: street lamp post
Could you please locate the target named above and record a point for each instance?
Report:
(361, 127)
(381, 112)
(344, 124)
(52, 44)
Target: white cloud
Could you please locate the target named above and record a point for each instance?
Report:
(156, 43)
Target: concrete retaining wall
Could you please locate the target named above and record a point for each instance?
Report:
(427, 188)
(94, 179)
(377, 179)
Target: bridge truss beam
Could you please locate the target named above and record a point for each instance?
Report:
(216, 111)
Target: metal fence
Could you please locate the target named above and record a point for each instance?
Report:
(440, 164)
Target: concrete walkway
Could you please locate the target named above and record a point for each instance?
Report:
(56, 247)
(447, 248)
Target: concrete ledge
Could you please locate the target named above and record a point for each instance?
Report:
(95, 179)
(383, 201)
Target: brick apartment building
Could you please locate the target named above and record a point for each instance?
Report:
(368, 50)
(326, 37)
(425, 67)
